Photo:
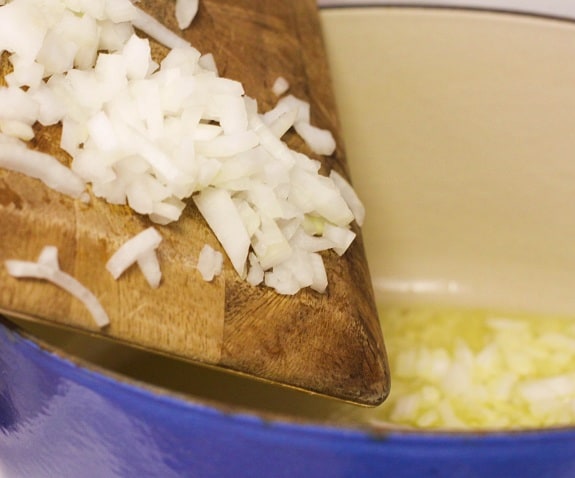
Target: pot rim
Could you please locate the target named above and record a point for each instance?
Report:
(51, 356)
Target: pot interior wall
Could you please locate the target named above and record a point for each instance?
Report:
(458, 127)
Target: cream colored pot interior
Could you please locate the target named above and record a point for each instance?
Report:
(459, 128)
(459, 132)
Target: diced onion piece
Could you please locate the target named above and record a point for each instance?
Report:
(46, 270)
(132, 250)
(17, 157)
(310, 243)
(221, 214)
(102, 132)
(321, 141)
(340, 237)
(18, 105)
(51, 109)
(283, 123)
(317, 193)
(208, 62)
(119, 11)
(150, 267)
(256, 273)
(282, 280)
(270, 142)
(186, 11)
(152, 27)
(166, 212)
(22, 29)
(137, 55)
(270, 245)
(301, 268)
(280, 86)
(24, 74)
(319, 283)
(210, 263)
(250, 218)
(302, 107)
(16, 129)
(49, 257)
(350, 196)
(227, 145)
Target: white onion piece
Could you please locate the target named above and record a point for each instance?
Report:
(113, 36)
(321, 141)
(300, 267)
(16, 129)
(150, 267)
(51, 109)
(282, 280)
(250, 218)
(119, 10)
(291, 102)
(102, 132)
(210, 263)
(269, 205)
(280, 86)
(152, 27)
(310, 243)
(270, 245)
(47, 270)
(186, 11)
(350, 196)
(227, 145)
(137, 53)
(17, 105)
(133, 249)
(317, 193)
(270, 142)
(269, 117)
(340, 237)
(208, 62)
(22, 29)
(319, 283)
(256, 273)
(221, 214)
(284, 122)
(167, 212)
(17, 157)
(24, 74)
(49, 257)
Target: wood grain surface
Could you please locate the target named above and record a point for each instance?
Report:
(328, 343)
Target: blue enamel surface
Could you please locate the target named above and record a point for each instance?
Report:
(59, 419)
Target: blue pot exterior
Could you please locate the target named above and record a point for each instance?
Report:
(60, 419)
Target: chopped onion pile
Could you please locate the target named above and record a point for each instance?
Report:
(467, 369)
(47, 268)
(152, 135)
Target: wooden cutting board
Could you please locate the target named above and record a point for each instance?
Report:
(328, 343)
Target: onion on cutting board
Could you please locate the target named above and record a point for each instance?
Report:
(324, 337)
